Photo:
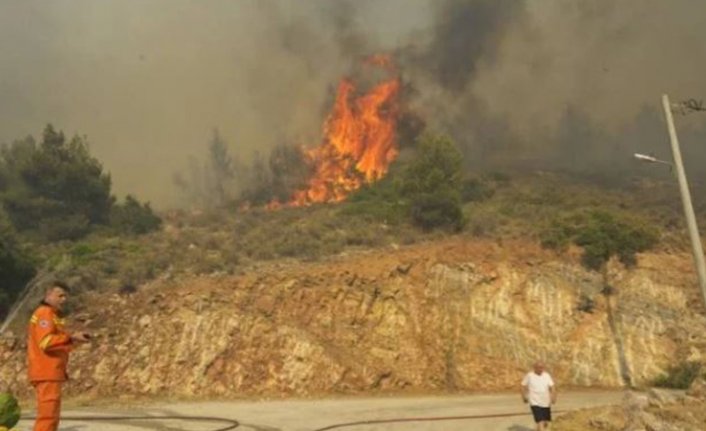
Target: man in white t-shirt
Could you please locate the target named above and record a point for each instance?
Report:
(538, 389)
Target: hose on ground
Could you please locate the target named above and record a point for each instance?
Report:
(232, 424)
(422, 419)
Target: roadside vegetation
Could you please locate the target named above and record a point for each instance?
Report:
(59, 214)
(53, 193)
(681, 375)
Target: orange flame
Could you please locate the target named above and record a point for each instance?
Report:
(359, 141)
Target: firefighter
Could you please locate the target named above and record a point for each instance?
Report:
(48, 347)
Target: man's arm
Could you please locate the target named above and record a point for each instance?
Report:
(552, 394)
(524, 393)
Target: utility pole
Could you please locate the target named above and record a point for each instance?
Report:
(696, 246)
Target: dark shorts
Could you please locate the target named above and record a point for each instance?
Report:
(541, 414)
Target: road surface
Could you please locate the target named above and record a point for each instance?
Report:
(311, 415)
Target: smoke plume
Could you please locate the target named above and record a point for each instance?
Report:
(517, 83)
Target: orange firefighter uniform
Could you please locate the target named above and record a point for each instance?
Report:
(48, 348)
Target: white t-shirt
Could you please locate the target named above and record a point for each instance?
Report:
(538, 386)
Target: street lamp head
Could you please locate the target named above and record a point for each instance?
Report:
(645, 158)
(650, 159)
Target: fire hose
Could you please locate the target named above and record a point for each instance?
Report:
(423, 419)
(232, 424)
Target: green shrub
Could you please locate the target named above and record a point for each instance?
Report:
(131, 217)
(68, 227)
(475, 190)
(431, 184)
(10, 410)
(561, 231)
(57, 185)
(680, 376)
(601, 234)
(83, 253)
(16, 267)
(605, 235)
(431, 211)
(436, 166)
(379, 201)
(483, 220)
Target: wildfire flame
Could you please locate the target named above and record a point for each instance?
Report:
(359, 141)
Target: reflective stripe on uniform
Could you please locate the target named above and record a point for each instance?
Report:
(44, 343)
(34, 319)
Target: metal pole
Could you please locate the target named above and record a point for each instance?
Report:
(696, 247)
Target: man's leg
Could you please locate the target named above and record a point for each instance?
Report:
(48, 406)
(544, 425)
(543, 417)
(537, 419)
(548, 422)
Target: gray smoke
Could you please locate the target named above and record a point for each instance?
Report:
(567, 85)
(574, 84)
(464, 34)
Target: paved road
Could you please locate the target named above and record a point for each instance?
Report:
(310, 415)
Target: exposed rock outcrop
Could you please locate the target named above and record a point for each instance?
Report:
(449, 315)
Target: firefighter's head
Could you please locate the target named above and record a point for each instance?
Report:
(56, 294)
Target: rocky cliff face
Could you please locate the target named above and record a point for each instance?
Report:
(458, 314)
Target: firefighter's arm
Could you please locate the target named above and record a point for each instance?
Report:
(50, 338)
(60, 342)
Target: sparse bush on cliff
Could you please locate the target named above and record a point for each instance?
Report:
(680, 376)
(602, 235)
(586, 304)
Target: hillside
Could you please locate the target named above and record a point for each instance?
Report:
(452, 314)
(228, 241)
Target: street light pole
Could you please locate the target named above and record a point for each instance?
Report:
(696, 247)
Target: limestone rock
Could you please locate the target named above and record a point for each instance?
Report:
(470, 315)
(653, 423)
(633, 407)
(698, 389)
(661, 397)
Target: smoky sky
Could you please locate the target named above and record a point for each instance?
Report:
(463, 34)
(148, 80)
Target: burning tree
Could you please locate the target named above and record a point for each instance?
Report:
(359, 141)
